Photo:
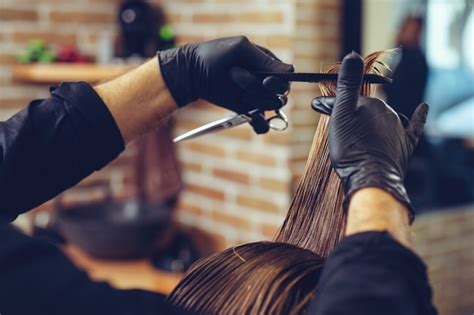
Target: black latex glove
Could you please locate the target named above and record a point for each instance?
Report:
(220, 71)
(368, 144)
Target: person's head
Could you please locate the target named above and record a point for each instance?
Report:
(254, 278)
(411, 31)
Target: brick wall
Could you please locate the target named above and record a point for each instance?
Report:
(238, 185)
(234, 176)
(445, 241)
(59, 23)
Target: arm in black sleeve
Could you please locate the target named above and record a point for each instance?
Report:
(371, 273)
(37, 278)
(52, 144)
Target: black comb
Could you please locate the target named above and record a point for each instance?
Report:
(318, 77)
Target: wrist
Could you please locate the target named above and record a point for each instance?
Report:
(380, 176)
(173, 66)
(138, 100)
(374, 209)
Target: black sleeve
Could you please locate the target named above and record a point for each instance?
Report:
(52, 144)
(370, 274)
(37, 278)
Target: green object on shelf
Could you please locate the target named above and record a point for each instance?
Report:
(47, 57)
(36, 51)
(36, 48)
(166, 33)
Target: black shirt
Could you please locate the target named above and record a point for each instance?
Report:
(54, 143)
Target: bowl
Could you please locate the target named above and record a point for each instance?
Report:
(114, 230)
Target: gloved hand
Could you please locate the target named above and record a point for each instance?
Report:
(368, 144)
(220, 71)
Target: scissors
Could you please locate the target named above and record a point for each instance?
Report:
(278, 121)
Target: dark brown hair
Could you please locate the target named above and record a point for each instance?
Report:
(254, 278)
(316, 220)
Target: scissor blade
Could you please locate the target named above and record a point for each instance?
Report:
(214, 126)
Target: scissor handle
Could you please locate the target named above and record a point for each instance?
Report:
(279, 121)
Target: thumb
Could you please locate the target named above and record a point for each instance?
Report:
(417, 123)
(348, 84)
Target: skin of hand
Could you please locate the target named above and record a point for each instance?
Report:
(138, 100)
(373, 209)
(368, 144)
(218, 71)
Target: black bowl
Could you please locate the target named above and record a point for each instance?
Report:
(114, 230)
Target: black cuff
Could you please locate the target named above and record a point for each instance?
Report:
(173, 69)
(380, 177)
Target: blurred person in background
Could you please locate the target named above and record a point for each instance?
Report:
(411, 74)
(407, 91)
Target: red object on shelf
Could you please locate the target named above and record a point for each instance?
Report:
(70, 53)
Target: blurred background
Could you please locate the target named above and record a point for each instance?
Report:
(143, 219)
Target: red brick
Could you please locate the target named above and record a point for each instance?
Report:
(81, 17)
(244, 132)
(173, 18)
(205, 148)
(275, 184)
(14, 102)
(233, 176)
(10, 14)
(278, 42)
(232, 220)
(277, 137)
(258, 158)
(7, 59)
(262, 17)
(189, 208)
(206, 191)
(213, 18)
(257, 203)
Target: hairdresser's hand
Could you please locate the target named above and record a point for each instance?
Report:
(220, 71)
(369, 146)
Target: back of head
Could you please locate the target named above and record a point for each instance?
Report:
(254, 278)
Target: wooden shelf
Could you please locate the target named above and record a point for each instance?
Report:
(126, 274)
(60, 72)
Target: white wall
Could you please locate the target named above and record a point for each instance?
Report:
(378, 26)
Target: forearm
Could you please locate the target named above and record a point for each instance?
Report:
(373, 271)
(54, 143)
(138, 100)
(372, 209)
